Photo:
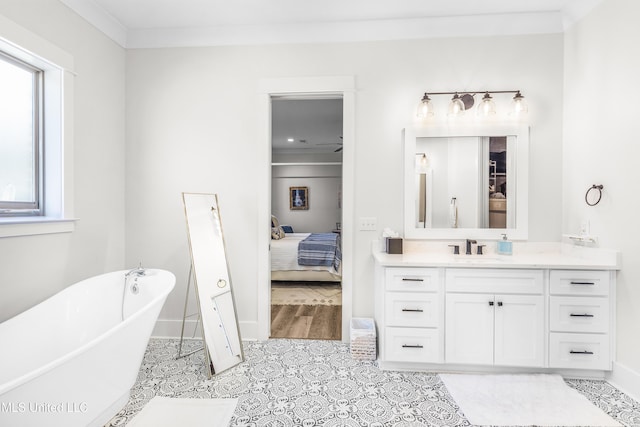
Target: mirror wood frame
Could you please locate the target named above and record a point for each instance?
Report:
(519, 157)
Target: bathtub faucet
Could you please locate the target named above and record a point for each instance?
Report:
(138, 271)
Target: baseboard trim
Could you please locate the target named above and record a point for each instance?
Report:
(249, 330)
(166, 328)
(625, 379)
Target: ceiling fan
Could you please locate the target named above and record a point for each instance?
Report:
(339, 144)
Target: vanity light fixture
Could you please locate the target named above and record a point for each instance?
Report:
(462, 101)
(422, 163)
(456, 106)
(487, 107)
(425, 108)
(519, 105)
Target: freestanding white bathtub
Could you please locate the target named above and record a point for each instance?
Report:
(71, 360)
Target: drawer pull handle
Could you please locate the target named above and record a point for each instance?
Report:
(408, 279)
(582, 283)
(580, 315)
(411, 346)
(413, 310)
(581, 352)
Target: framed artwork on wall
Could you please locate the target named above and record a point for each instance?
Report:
(298, 198)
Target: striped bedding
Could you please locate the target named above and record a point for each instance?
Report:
(320, 249)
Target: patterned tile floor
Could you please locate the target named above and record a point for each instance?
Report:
(317, 383)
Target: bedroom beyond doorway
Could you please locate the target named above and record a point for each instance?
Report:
(306, 207)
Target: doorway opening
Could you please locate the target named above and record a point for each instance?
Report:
(306, 290)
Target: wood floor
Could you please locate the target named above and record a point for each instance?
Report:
(321, 322)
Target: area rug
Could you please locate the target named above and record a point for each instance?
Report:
(306, 295)
(170, 412)
(522, 400)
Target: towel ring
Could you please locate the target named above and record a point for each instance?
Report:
(594, 187)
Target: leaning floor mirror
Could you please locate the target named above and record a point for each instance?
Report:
(214, 294)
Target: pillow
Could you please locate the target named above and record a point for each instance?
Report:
(277, 233)
(287, 228)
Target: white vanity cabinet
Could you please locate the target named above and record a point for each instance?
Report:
(580, 308)
(448, 316)
(410, 302)
(494, 317)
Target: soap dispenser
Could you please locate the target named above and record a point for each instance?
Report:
(505, 247)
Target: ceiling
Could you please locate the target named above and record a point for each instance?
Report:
(314, 125)
(172, 23)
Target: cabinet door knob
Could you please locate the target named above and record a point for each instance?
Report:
(580, 352)
(499, 303)
(491, 303)
(580, 315)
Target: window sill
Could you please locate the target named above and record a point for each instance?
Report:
(31, 226)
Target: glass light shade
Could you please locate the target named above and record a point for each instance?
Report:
(422, 163)
(519, 105)
(425, 107)
(487, 107)
(456, 106)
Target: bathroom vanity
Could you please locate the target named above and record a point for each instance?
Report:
(547, 307)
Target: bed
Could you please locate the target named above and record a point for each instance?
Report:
(285, 266)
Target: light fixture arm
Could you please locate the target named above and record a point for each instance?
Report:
(472, 93)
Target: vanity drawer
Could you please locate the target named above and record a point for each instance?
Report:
(412, 279)
(412, 309)
(579, 351)
(412, 345)
(503, 281)
(579, 282)
(579, 314)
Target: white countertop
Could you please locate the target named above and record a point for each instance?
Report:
(525, 255)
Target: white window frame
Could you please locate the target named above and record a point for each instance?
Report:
(24, 208)
(57, 129)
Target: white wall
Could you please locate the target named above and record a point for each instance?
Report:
(601, 147)
(35, 267)
(324, 184)
(193, 124)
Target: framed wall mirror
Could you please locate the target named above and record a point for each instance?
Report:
(464, 181)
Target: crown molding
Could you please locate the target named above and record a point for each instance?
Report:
(333, 32)
(99, 18)
(576, 10)
(353, 31)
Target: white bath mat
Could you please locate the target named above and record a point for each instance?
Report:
(169, 412)
(522, 400)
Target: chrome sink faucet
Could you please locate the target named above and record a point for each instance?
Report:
(469, 243)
